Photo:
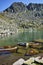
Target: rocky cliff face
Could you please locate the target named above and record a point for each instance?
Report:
(16, 7)
(36, 7)
(19, 7)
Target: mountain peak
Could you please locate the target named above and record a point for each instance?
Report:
(16, 7)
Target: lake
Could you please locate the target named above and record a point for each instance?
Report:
(30, 35)
(26, 35)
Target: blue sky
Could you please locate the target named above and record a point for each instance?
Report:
(6, 3)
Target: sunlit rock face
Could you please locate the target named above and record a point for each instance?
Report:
(16, 7)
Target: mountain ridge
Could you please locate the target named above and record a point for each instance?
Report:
(19, 7)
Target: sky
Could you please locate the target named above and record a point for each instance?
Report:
(6, 3)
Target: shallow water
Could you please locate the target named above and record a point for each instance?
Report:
(24, 36)
(27, 36)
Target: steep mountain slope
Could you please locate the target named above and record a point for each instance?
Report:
(19, 15)
(16, 7)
